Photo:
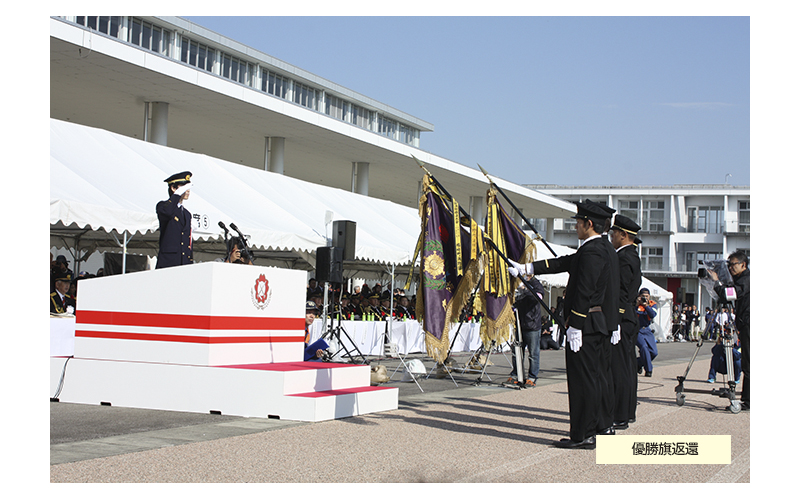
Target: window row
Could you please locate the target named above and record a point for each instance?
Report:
(161, 40)
(700, 219)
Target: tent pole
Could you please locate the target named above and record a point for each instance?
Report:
(391, 309)
(124, 250)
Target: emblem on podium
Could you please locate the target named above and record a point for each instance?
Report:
(261, 292)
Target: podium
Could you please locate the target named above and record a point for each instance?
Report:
(209, 337)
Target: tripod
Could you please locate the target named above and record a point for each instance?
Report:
(335, 332)
(728, 392)
(462, 318)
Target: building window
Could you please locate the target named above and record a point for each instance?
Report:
(629, 209)
(386, 126)
(744, 216)
(652, 258)
(652, 216)
(149, 36)
(408, 135)
(359, 116)
(306, 96)
(108, 25)
(197, 54)
(695, 259)
(274, 84)
(710, 220)
(235, 69)
(334, 107)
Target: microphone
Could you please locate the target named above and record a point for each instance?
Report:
(233, 226)
(222, 225)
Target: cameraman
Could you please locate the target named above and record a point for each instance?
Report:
(739, 267)
(646, 341)
(237, 255)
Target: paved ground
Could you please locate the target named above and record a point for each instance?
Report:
(441, 432)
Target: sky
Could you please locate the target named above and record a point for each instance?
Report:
(543, 100)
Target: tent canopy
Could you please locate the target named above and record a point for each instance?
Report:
(104, 184)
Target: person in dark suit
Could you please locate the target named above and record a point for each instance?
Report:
(175, 223)
(60, 301)
(591, 308)
(739, 268)
(623, 235)
(402, 312)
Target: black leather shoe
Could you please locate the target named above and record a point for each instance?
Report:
(631, 420)
(620, 426)
(648, 374)
(607, 432)
(587, 444)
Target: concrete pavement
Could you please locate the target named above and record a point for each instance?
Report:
(465, 434)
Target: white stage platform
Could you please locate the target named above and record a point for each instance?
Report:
(208, 337)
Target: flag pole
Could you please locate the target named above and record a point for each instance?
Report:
(494, 246)
(519, 212)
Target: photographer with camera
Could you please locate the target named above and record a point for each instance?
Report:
(646, 341)
(237, 255)
(739, 267)
(236, 247)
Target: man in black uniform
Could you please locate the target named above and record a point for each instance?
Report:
(623, 342)
(60, 301)
(175, 223)
(402, 312)
(591, 309)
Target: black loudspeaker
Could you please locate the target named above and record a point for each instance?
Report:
(344, 237)
(329, 265)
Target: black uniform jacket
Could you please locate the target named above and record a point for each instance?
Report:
(593, 283)
(630, 280)
(175, 238)
(741, 284)
(57, 307)
(530, 313)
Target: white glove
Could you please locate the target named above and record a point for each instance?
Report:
(615, 337)
(516, 269)
(575, 339)
(183, 189)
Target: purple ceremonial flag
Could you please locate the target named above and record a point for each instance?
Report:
(516, 239)
(438, 276)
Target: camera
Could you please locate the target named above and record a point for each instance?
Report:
(720, 268)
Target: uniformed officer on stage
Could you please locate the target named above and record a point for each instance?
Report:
(175, 223)
(591, 309)
(623, 235)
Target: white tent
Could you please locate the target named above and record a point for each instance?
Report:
(104, 184)
(104, 188)
(662, 324)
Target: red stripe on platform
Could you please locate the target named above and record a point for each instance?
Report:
(289, 366)
(335, 392)
(189, 339)
(187, 321)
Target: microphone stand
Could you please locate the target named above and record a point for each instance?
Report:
(227, 253)
(243, 241)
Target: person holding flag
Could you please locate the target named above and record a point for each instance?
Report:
(591, 308)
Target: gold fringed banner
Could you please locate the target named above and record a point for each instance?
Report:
(498, 289)
(443, 289)
(457, 235)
